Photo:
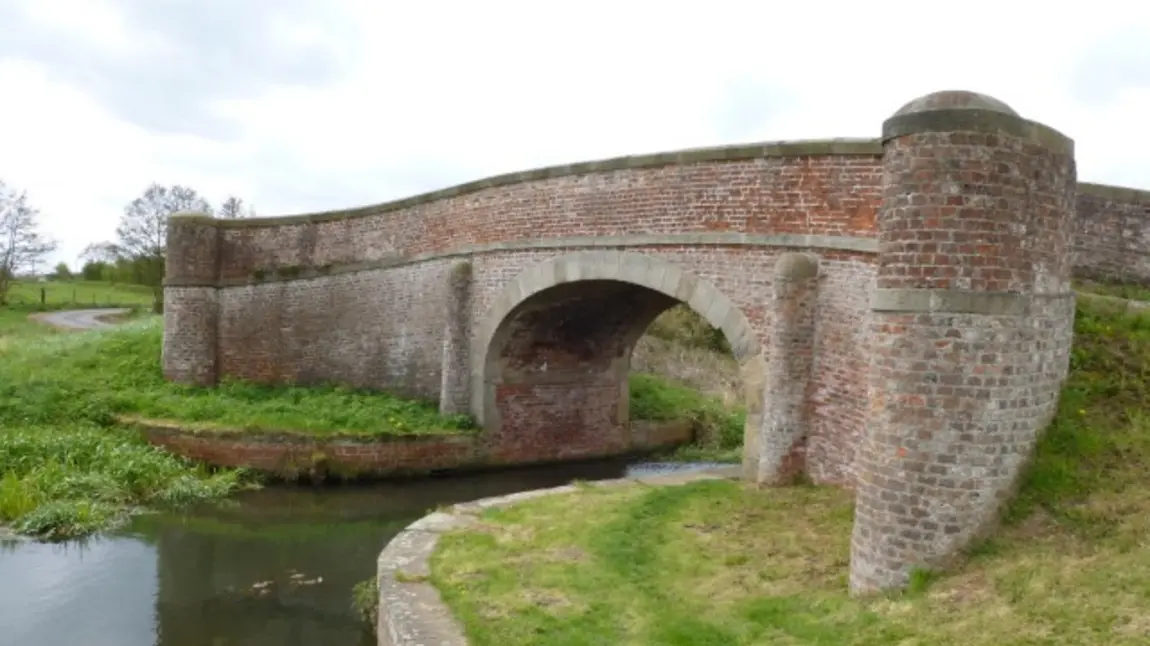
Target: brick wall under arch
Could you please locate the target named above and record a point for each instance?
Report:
(552, 352)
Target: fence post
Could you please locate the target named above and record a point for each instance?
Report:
(43, 295)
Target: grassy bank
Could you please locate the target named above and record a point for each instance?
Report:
(1114, 289)
(684, 369)
(69, 470)
(97, 375)
(718, 427)
(713, 563)
(65, 472)
(77, 294)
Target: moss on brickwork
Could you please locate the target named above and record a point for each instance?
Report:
(290, 272)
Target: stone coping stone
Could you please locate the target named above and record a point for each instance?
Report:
(411, 610)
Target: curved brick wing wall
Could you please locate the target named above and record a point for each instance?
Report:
(1112, 234)
(971, 329)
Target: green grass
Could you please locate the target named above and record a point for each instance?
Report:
(77, 294)
(96, 376)
(65, 471)
(70, 469)
(1114, 289)
(718, 428)
(716, 563)
(72, 478)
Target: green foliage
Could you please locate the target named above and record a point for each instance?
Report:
(1115, 289)
(365, 602)
(719, 429)
(76, 294)
(95, 270)
(1100, 439)
(72, 477)
(716, 563)
(95, 376)
(684, 326)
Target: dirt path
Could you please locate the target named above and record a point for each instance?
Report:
(80, 319)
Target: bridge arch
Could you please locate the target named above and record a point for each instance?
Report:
(553, 351)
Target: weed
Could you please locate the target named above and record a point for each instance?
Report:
(657, 399)
(365, 602)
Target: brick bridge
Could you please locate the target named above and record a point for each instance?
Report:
(901, 307)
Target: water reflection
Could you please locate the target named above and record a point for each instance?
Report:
(274, 567)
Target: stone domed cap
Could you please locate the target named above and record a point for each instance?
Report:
(955, 100)
(796, 266)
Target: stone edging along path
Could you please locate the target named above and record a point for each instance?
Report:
(411, 612)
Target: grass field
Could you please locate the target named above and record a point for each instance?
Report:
(713, 563)
(77, 294)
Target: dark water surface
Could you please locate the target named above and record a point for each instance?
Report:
(272, 567)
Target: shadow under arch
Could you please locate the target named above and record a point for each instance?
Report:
(552, 353)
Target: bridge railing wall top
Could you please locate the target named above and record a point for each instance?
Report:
(829, 189)
(803, 148)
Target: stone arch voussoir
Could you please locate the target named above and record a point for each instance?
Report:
(634, 268)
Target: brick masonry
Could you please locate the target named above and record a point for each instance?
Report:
(291, 455)
(780, 448)
(1111, 240)
(970, 333)
(943, 249)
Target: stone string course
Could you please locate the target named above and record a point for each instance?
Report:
(917, 361)
(411, 611)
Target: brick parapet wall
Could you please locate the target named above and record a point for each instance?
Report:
(805, 188)
(1112, 234)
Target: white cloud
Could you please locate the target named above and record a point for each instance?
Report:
(439, 92)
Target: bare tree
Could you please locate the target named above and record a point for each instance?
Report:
(142, 234)
(234, 208)
(21, 242)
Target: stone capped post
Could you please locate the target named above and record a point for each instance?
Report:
(782, 447)
(971, 327)
(191, 310)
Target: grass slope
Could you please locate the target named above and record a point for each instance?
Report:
(94, 376)
(77, 294)
(713, 563)
(63, 471)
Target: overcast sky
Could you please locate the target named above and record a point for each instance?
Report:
(301, 105)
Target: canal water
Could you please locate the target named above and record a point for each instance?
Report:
(271, 567)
